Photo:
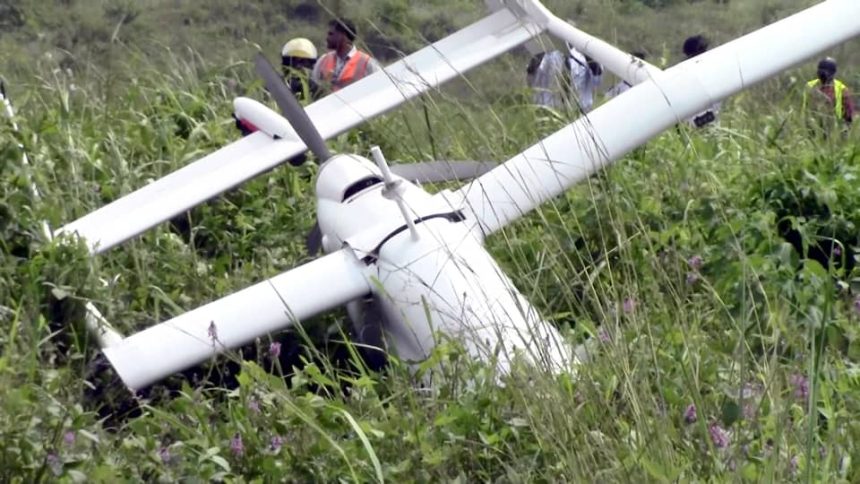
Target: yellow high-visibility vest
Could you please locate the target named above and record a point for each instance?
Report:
(838, 91)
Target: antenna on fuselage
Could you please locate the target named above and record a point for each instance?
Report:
(393, 188)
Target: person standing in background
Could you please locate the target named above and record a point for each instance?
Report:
(298, 57)
(831, 93)
(343, 64)
(553, 77)
(693, 47)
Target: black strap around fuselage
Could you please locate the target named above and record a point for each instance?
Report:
(373, 256)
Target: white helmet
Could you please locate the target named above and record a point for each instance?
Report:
(299, 47)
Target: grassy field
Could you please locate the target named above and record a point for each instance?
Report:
(713, 273)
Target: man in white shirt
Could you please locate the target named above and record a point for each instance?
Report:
(553, 76)
(587, 75)
(545, 76)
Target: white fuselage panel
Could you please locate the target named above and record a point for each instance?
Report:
(441, 284)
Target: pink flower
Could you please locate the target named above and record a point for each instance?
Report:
(603, 335)
(801, 386)
(254, 406)
(275, 350)
(164, 455)
(695, 262)
(236, 445)
(857, 304)
(690, 415)
(69, 437)
(276, 443)
(837, 251)
(719, 436)
(629, 305)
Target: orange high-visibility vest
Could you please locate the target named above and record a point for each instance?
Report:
(355, 69)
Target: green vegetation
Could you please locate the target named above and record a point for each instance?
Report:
(718, 352)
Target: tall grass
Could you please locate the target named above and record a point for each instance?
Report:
(716, 352)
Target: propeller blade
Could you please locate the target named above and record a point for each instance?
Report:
(314, 240)
(271, 305)
(441, 171)
(293, 111)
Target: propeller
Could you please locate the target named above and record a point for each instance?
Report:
(292, 110)
(429, 172)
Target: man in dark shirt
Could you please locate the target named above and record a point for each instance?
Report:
(693, 47)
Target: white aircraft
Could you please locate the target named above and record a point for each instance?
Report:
(408, 264)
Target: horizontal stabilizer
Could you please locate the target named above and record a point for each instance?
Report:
(274, 304)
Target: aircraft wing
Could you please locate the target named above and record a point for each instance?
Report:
(193, 337)
(181, 190)
(332, 115)
(607, 133)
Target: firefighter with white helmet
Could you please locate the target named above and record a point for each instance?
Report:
(298, 57)
(299, 48)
